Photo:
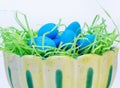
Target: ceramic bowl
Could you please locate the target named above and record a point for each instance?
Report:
(86, 71)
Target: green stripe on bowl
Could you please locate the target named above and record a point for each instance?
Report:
(29, 79)
(89, 78)
(10, 77)
(59, 79)
(109, 76)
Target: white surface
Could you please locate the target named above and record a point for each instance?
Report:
(42, 11)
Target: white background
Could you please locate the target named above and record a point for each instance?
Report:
(42, 11)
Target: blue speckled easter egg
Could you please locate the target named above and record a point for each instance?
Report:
(67, 36)
(51, 28)
(89, 39)
(75, 27)
(47, 42)
(57, 40)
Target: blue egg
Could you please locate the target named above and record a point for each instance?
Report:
(67, 36)
(47, 42)
(51, 28)
(57, 40)
(89, 39)
(75, 27)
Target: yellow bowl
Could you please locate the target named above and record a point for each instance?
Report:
(87, 71)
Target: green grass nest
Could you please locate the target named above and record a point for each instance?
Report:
(15, 40)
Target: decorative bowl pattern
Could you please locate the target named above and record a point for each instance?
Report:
(86, 71)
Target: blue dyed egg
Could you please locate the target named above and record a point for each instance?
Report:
(51, 28)
(75, 27)
(57, 40)
(89, 39)
(47, 42)
(67, 36)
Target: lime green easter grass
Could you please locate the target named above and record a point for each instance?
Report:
(15, 41)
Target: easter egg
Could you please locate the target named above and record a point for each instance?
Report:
(49, 28)
(75, 27)
(67, 36)
(47, 42)
(57, 40)
(89, 39)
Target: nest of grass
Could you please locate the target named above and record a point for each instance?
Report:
(16, 40)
